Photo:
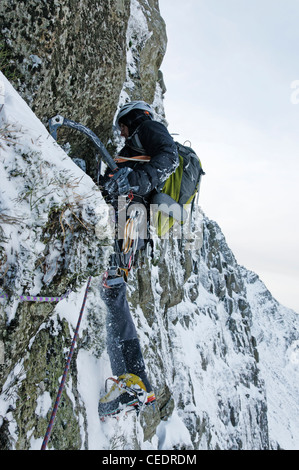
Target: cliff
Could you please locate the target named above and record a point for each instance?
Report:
(221, 353)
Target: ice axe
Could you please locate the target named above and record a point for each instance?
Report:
(58, 121)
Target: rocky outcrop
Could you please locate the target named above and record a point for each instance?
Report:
(67, 57)
(146, 47)
(71, 58)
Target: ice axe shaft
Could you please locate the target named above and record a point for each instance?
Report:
(58, 121)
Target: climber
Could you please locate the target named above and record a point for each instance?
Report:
(143, 136)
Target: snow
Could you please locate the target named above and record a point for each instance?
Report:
(36, 61)
(172, 433)
(37, 177)
(91, 372)
(43, 405)
(137, 34)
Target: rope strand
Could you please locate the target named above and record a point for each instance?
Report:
(51, 422)
(33, 298)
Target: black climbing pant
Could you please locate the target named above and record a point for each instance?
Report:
(122, 342)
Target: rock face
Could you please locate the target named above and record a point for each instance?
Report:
(221, 353)
(70, 58)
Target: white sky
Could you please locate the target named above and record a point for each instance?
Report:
(228, 69)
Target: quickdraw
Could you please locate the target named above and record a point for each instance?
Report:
(131, 232)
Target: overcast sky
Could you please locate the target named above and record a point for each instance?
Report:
(229, 70)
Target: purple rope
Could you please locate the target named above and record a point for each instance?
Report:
(31, 298)
(51, 422)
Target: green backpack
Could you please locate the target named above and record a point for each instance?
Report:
(178, 191)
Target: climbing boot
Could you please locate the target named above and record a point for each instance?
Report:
(127, 393)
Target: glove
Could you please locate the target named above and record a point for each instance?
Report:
(121, 178)
(119, 183)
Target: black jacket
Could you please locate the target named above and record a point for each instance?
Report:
(157, 143)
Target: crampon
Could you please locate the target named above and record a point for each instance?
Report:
(127, 393)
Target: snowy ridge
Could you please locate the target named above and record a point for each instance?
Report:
(276, 331)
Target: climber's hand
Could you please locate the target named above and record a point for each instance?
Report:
(119, 182)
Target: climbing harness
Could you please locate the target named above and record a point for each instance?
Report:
(53, 415)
